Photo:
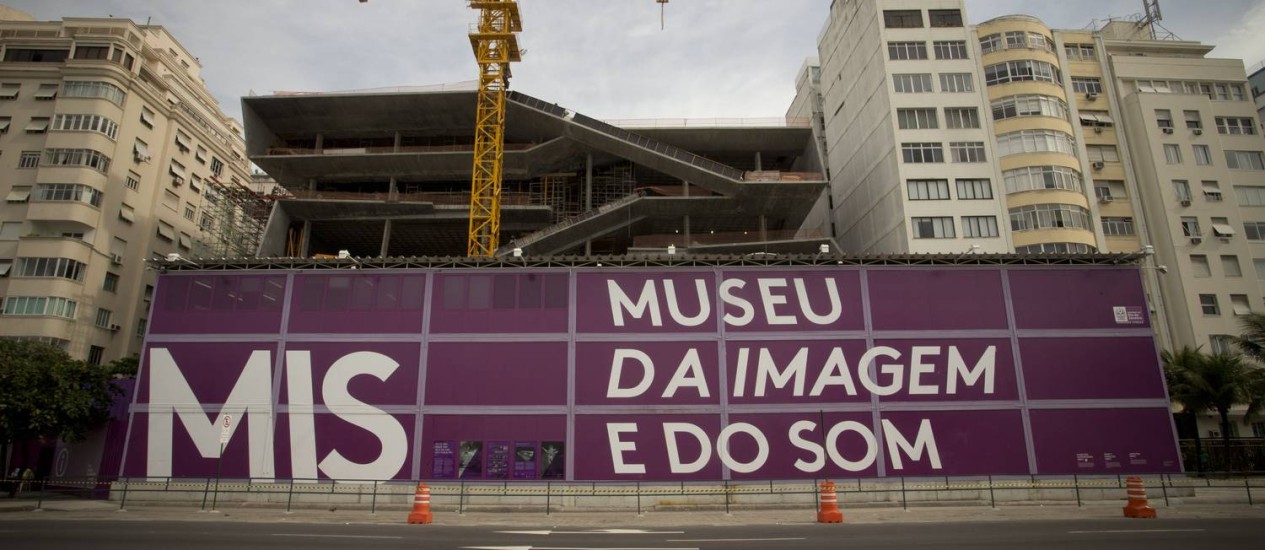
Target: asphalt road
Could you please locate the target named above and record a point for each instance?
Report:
(1113, 534)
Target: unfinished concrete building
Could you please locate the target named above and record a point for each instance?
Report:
(387, 173)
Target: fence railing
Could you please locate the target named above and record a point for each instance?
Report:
(461, 496)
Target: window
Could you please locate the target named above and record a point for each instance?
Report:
(902, 19)
(38, 125)
(127, 213)
(1221, 227)
(1108, 190)
(59, 268)
(1254, 231)
(1035, 141)
(1250, 195)
(87, 123)
(950, 49)
(961, 117)
(934, 228)
(206, 222)
(29, 159)
(1190, 226)
(141, 325)
(922, 152)
(133, 181)
(1193, 121)
(35, 55)
(68, 192)
(904, 84)
(974, 189)
(1055, 248)
(111, 282)
(186, 241)
(1208, 303)
(77, 157)
(1030, 105)
(906, 50)
(1086, 85)
(5, 122)
(1230, 266)
(1202, 156)
(166, 232)
(1212, 191)
(967, 151)
(190, 212)
(1049, 216)
(9, 90)
(171, 200)
(991, 43)
(1172, 153)
(1199, 265)
(35, 306)
(1164, 118)
(147, 117)
(1221, 344)
(1181, 190)
(945, 18)
(195, 184)
(183, 142)
(916, 119)
(96, 354)
(93, 89)
(217, 167)
(1117, 226)
(18, 194)
(103, 317)
(1245, 160)
(1033, 178)
(1080, 52)
(1236, 126)
(928, 190)
(10, 231)
(1019, 71)
(177, 173)
(979, 226)
(200, 154)
(956, 82)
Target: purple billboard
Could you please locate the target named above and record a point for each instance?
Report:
(640, 374)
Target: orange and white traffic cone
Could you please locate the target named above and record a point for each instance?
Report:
(421, 506)
(1138, 506)
(829, 509)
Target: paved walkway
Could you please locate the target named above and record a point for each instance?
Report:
(102, 510)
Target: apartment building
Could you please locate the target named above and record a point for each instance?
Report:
(112, 151)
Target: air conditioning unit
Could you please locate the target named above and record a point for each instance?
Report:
(115, 328)
(1097, 129)
(177, 181)
(116, 259)
(1196, 240)
(1168, 131)
(1098, 165)
(141, 158)
(1185, 202)
(1199, 131)
(1091, 95)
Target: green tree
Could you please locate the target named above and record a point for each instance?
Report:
(45, 393)
(1252, 338)
(125, 367)
(1201, 382)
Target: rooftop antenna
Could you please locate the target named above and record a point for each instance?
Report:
(1150, 16)
(662, 4)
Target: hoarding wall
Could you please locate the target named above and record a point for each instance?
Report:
(642, 374)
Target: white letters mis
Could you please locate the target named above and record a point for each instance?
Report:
(250, 400)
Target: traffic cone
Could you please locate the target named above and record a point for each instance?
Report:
(1137, 507)
(421, 506)
(829, 512)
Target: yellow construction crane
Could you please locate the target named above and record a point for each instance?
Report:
(495, 47)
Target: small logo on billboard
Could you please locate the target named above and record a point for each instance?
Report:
(1128, 315)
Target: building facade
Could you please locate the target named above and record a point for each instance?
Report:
(113, 152)
(1110, 140)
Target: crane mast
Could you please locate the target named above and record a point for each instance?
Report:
(495, 46)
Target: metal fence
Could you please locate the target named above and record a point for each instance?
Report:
(1227, 488)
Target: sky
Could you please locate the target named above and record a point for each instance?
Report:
(605, 58)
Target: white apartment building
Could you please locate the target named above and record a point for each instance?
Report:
(1093, 141)
(111, 152)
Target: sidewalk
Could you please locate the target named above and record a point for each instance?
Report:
(70, 509)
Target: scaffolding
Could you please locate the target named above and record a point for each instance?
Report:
(233, 219)
(563, 192)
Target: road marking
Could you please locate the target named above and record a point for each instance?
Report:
(595, 532)
(335, 536)
(734, 540)
(1114, 531)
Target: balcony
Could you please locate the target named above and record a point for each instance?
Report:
(50, 246)
(64, 211)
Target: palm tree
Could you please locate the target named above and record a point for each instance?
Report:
(1201, 382)
(1252, 339)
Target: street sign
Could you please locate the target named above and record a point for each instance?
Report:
(226, 424)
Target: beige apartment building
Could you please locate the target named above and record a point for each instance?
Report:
(1107, 140)
(112, 151)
